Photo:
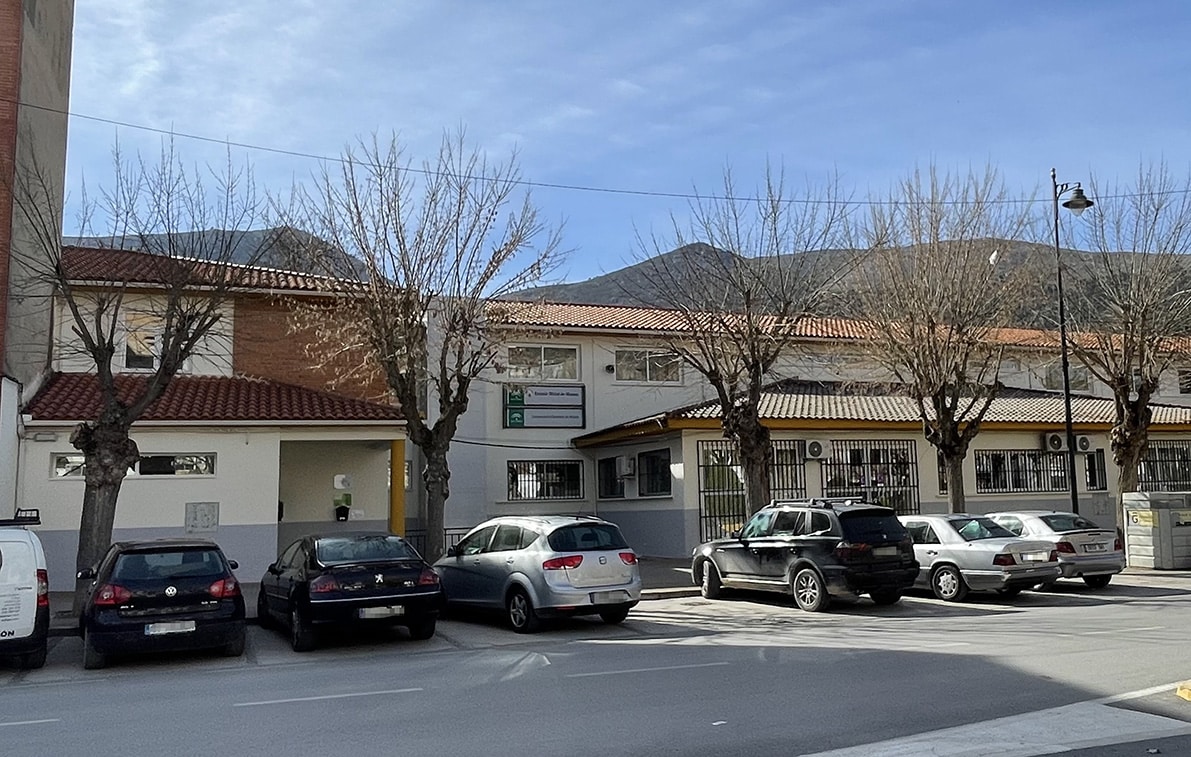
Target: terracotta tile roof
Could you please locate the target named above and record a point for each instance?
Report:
(107, 265)
(75, 397)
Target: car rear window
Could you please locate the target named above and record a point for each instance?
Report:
(340, 550)
(871, 526)
(975, 529)
(1064, 522)
(169, 565)
(586, 536)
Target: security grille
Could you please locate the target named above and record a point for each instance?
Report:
(723, 506)
(999, 471)
(882, 472)
(1165, 467)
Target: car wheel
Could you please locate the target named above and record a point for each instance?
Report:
(948, 584)
(262, 610)
(710, 586)
(301, 635)
(93, 659)
(614, 615)
(33, 660)
(1097, 582)
(423, 630)
(1009, 593)
(885, 597)
(235, 648)
(809, 592)
(522, 616)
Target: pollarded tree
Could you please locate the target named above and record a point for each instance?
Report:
(435, 245)
(190, 223)
(933, 300)
(1129, 301)
(747, 269)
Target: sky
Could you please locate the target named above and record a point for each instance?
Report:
(631, 102)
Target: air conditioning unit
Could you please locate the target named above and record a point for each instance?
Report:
(1055, 442)
(626, 466)
(1083, 443)
(817, 449)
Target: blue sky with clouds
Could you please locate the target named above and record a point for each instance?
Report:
(649, 96)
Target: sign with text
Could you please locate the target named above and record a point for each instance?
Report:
(544, 406)
(1140, 518)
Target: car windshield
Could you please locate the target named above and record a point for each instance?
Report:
(871, 526)
(168, 565)
(1064, 522)
(974, 529)
(354, 549)
(586, 536)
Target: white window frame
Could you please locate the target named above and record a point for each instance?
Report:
(540, 375)
(649, 354)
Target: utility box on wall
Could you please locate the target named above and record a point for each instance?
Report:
(1158, 529)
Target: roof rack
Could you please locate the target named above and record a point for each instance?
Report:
(827, 503)
(24, 516)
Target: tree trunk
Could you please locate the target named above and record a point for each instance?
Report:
(756, 454)
(1128, 460)
(953, 466)
(95, 532)
(437, 478)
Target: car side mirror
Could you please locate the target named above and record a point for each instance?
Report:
(234, 565)
(85, 574)
(735, 534)
(452, 551)
(273, 568)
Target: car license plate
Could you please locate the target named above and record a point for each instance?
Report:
(1097, 547)
(381, 612)
(884, 551)
(178, 626)
(608, 597)
(1035, 556)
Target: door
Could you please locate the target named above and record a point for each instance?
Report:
(926, 548)
(460, 574)
(277, 600)
(737, 558)
(778, 548)
(18, 589)
(495, 564)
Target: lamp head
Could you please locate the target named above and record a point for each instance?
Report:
(1078, 202)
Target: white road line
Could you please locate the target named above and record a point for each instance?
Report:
(30, 722)
(1139, 694)
(647, 670)
(327, 696)
(1122, 630)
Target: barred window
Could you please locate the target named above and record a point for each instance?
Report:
(545, 479)
(1166, 467)
(653, 471)
(1097, 476)
(611, 486)
(1020, 470)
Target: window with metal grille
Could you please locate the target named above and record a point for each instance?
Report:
(942, 463)
(1097, 476)
(545, 479)
(611, 486)
(1184, 381)
(653, 473)
(722, 499)
(999, 471)
(882, 472)
(1165, 467)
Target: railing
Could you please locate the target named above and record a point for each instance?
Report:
(882, 472)
(417, 538)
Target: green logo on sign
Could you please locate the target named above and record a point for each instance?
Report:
(515, 395)
(515, 418)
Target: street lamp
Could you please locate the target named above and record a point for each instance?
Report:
(1077, 205)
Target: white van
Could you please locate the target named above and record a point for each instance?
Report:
(24, 591)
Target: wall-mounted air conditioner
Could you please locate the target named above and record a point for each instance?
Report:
(1083, 443)
(817, 449)
(626, 466)
(1054, 442)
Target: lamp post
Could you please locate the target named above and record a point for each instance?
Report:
(1077, 205)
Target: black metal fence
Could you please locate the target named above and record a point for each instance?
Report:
(1001, 471)
(417, 537)
(723, 504)
(1166, 467)
(883, 472)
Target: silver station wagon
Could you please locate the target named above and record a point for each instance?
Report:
(957, 553)
(534, 567)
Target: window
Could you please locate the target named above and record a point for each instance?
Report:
(974, 529)
(921, 533)
(68, 465)
(1165, 467)
(611, 486)
(1020, 470)
(140, 341)
(758, 526)
(508, 538)
(544, 363)
(788, 523)
(1097, 476)
(652, 366)
(1080, 378)
(545, 479)
(942, 472)
(1011, 524)
(475, 543)
(289, 558)
(1185, 381)
(653, 471)
(587, 536)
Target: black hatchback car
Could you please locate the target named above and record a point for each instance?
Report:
(161, 595)
(813, 550)
(349, 579)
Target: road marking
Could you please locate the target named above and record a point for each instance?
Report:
(30, 722)
(1122, 630)
(327, 696)
(647, 670)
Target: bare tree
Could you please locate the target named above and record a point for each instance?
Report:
(932, 297)
(436, 246)
(746, 271)
(188, 222)
(1129, 304)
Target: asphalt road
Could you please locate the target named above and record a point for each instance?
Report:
(750, 675)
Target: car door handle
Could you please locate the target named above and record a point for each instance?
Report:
(509, 561)
(931, 552)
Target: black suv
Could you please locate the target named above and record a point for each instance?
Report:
(813, 549)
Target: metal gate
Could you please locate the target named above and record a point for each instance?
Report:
(881, 472)
(722, 502)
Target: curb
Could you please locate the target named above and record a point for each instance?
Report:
(675, 593)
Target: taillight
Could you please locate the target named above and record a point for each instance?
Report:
(111, 595)
(324, 584)
(43, 588)
(1117, 546)
(427, 578)
(224, 588)
(1054, 555)
(563, 563)
(851, 551)
(628, 558)
(1005, 559)
(1065, 547)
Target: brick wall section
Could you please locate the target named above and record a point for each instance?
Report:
(11, 23)
(263, 345)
